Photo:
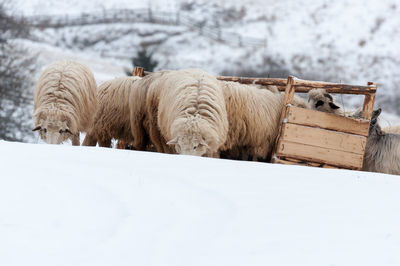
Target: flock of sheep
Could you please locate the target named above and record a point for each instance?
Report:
(185, 111)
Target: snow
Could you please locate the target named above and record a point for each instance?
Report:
(64, 205)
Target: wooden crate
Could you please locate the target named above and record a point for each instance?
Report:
(310, 137)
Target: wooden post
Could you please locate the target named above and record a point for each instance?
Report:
(138, 71)
(369, 101)
(287, 99)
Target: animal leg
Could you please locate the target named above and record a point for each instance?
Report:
(155, 138)
(75, 140)
(90, 140)
(104, 142)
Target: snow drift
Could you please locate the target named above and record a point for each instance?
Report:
(64, 205)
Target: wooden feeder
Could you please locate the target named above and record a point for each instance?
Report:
(310, 137)
(314, 138)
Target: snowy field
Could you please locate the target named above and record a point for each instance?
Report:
(63, 205)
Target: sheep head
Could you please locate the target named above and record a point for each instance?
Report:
(54, 129)
(322, 101)
(189, 137)
(189, 145)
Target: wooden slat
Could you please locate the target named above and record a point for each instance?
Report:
(261, 81)
(318, 119)
(307, 85)
(340, 89)
(291, 161)
(328, 166)
(281, 161)
(324, 138)
(368, 106)
(320, 155)
(288, 97)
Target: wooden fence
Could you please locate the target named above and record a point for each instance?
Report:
(144, 15)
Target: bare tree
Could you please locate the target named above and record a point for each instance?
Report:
(143, 58)
(16, 68)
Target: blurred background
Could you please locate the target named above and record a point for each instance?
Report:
(340, 41)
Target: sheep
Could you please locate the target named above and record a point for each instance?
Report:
(144, 114)
(112, 116)
(186, 109)
(253, 116)
(64, 101)
(322, 101)
(382, 151)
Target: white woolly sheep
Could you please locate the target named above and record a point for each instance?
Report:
(139, 118)
(253, 120)
(112, 116)
(382, 152)
(64, 102)
(186, 108)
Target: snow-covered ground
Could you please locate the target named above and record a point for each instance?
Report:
(63, 205)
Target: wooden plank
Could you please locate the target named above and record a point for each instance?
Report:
(293, 160)
(340, 89)
(324, 138)
(329, 166)
(368, 106)
(289, 94)
(282, 161)
(307, 85)
(288, 97)
(261, 81)
(320, 155)
(313, 118)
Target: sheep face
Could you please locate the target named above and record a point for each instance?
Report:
(53, 132)
(189, 145)
(322, 101)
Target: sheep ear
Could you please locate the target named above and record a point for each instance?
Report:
(173, 141)
(37, 128)
(376, 113)
(333, 106)
(204, 143)
(327, 95)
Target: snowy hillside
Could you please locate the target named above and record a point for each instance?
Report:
(339, 41)
(63, 205)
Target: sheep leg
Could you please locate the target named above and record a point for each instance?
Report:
(155, 138)
(90, 140)
(166, 147)
(214, 154)
(105, 142)
(75, 140)
(140, 140)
